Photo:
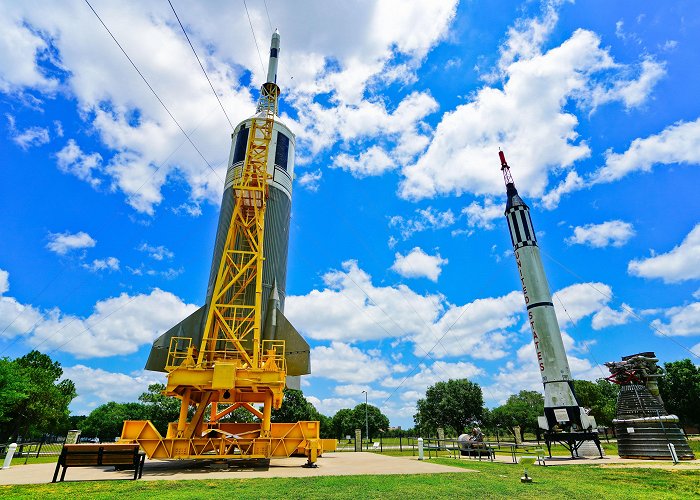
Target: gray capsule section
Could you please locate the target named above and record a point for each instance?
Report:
(276, 240)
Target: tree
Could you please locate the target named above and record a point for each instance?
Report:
(342, 424)
(452, 405)
(295, 407)
(376, 420)
(522, 410)
(599, 397)
(34, 399)
(107, 420)
(161, 409)
(680, 390)
(239, 415)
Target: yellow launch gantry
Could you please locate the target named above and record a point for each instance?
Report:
(233, 367)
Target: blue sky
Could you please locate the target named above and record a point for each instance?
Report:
(400, 267)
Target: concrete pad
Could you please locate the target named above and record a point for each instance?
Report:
(331, 464)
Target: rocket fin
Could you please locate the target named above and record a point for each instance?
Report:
(190, 327)
(297, 351)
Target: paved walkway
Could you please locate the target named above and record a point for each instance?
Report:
(331, 464)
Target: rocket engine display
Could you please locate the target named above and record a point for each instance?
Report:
(562, 411)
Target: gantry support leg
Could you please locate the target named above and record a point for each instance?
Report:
(267, 414)
(184, 409)
(195, 424)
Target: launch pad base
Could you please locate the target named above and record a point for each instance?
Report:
(230, 441)
(571, 441)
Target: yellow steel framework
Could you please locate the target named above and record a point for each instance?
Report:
(233, 367)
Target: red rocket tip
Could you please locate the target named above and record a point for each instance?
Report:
(503, 158)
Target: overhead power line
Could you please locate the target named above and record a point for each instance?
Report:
(268, 15)
(152, 90)
(262, 66)
(200, 64)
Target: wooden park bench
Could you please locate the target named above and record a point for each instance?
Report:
(92, 455)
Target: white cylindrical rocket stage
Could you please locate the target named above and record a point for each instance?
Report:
(560, 404)
(274, 55)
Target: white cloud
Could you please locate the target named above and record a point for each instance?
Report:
(610, 317)
(62, 243)
(351, 308)
(311, 181)
(72, 160)
(680, 264)
(438, 371)
(4, 281)
(29, 137)
(193, 209)
(344, 363)
(477, 329)
(373, 161)
(678, 143)
(581, 300)
(329, 406)
(614, 232)
(425, 219)
(21, 49)
(696, 349)
(356, 391)
(572, 182)
(108, 264)
(352, 53)
(523, 373)
(16, 317)
(482, 216)
(529, 114)
(96, 386)
(405, 391)
(156, 252)
(632, 92)
(417, 264)
(117, 325)
(683, 321)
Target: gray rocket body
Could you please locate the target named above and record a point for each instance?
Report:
(560, 404)
(280, 167)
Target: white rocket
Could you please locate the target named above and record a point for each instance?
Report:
(560, 405)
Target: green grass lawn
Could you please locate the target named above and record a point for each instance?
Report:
(493, 480)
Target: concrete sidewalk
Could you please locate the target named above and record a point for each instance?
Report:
(331, 464)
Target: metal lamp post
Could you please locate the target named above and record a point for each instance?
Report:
(366, 420)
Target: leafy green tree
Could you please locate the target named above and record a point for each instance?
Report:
(342, 424)
(14, 390)
(599, 397)
(239, 415)
(452, 405)
(376, 420)
(295, 408)
(161, 409)
(522, 410)
(34, 399)
(680, 390)
(107, 420)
